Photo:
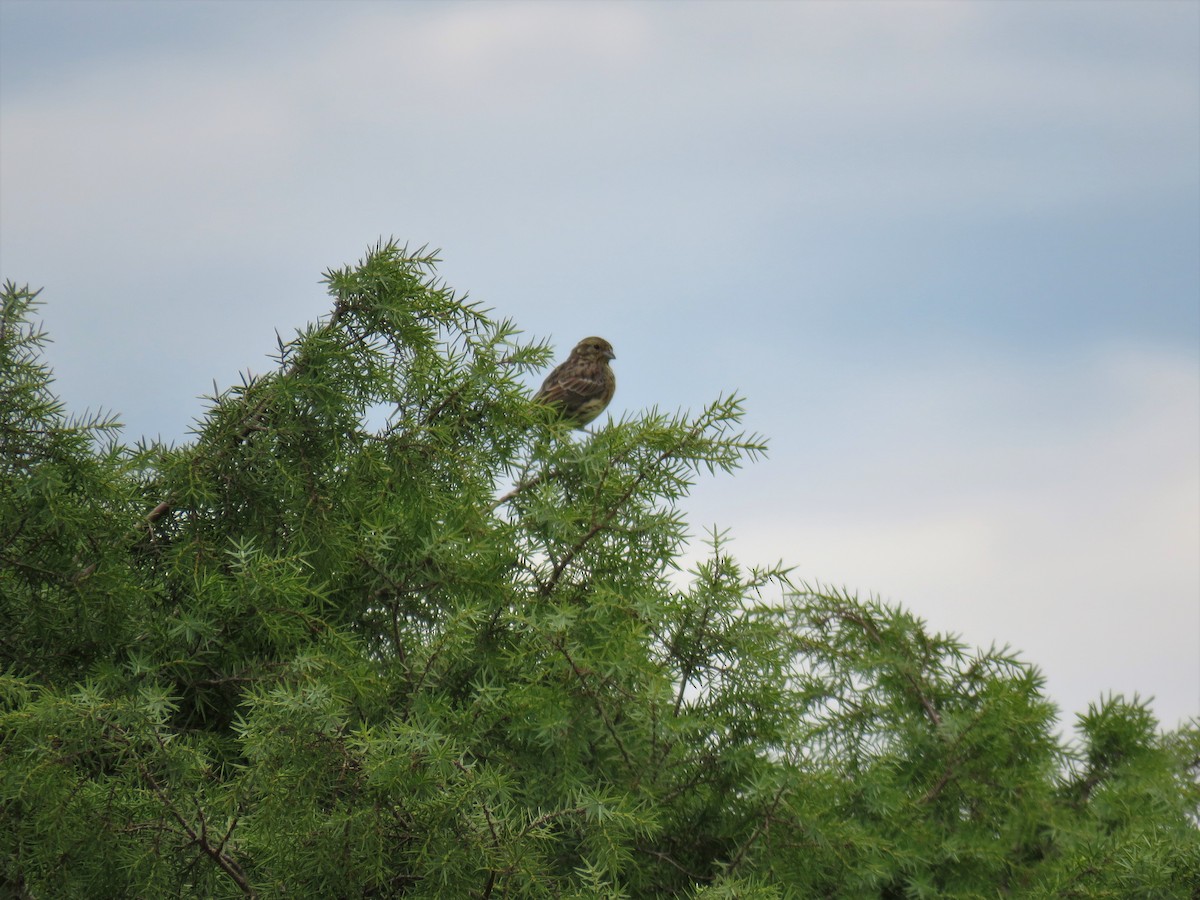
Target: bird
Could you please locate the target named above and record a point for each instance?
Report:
(581, 387)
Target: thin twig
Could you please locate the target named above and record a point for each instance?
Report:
(217, 854)
(695, 876)
(249, 424)
(869, 627)
(760, 828)
(522, 487)
(596, 700)
(561, 566)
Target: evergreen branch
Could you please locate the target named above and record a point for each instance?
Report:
(523, 486)
(547, 818)
(952, 764)
(685, 674)
(250, 421)
(658, 854)
(760, 828)
(561, 566)
(872, 632)
(199, 838)
(930, 795)
(590, 692)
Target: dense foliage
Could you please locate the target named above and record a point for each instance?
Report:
(385, 628)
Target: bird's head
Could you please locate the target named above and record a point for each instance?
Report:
(596, 348)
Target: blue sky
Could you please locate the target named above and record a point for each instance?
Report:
(949, 252)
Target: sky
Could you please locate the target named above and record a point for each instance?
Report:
(948, 252)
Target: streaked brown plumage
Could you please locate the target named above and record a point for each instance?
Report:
(583, 385)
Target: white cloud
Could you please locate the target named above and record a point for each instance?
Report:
(1077, 543)
(843, 108)
(179, 204)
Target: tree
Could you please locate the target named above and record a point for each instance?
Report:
(449, 655)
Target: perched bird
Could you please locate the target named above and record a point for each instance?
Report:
(581, 387)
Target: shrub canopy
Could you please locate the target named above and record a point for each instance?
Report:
(383, 627)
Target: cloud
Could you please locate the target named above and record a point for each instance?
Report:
(924, 238)
(915, 107)
(1053, 509)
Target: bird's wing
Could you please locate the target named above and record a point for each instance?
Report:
(571, 385)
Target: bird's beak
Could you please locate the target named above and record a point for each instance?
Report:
(610, 355)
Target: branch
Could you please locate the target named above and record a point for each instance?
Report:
(561, 566)
(522, 487)
(557, 645)
(546, 818)
(931, 794)
(217, 854)
(660, 855)
(158, 512)
(951, 766)
(759, 829)
(249, 423)
(685, 674)
(873, 632)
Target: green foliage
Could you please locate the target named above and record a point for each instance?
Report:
(384, 628)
